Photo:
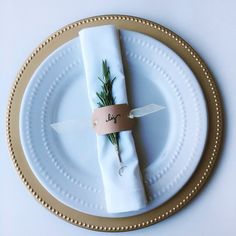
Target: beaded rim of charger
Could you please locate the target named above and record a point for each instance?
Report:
(212, 159)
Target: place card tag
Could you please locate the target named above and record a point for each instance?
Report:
(112, 119)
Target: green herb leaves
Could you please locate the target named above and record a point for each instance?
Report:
(106, 98)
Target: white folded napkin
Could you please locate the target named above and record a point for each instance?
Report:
(122, 193)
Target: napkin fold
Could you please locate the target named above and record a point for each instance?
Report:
(122, 193)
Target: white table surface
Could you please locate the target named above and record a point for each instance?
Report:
(208, 25)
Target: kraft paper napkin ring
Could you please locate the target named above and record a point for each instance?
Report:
(70, 125)
(112, 119)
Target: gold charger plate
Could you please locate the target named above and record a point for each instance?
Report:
(209, 157)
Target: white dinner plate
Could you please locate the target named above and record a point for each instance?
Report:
(169, 143)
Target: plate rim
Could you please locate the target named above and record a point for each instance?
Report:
(209, 157)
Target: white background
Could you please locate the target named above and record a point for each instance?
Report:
(208, 25)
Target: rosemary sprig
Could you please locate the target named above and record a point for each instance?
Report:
(106, 98)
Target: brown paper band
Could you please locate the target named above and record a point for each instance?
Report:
(112, 119)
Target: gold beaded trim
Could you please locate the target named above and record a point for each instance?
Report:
(216, 146)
